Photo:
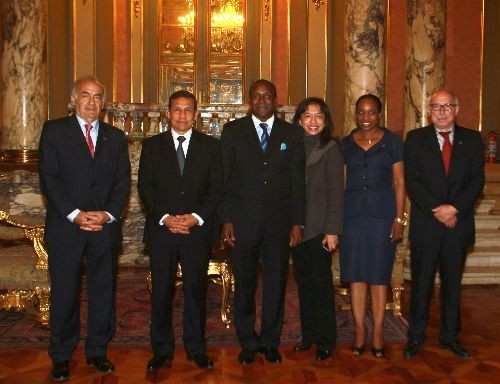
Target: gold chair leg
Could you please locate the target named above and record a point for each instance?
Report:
(397, 290)
(38, 305)
(226, 280)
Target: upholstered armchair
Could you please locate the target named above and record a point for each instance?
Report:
(394, 299)
(24, 281)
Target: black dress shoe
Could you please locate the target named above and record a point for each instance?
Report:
(412, 349)
(457, 348)
(323, 354)
(158, 362)
(271, 354)
(302, 347)
(246, 356)
(101, 364)
(60, 371)
(202, 361)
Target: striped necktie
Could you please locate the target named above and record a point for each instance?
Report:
(264, 137)
(90, 144)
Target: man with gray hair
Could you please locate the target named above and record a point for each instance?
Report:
(85, 176)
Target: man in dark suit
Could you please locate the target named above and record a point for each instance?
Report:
(85, 176)
(262, 214)
(180, 183)
(444, 172)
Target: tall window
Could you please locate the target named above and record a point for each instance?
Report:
(202, 49)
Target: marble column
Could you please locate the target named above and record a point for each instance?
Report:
(364, 35)
(23, 78)
(425, 57)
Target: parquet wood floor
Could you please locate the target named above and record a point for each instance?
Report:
(481, 334)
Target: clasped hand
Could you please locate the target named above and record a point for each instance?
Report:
(180, 223)
(446, 214)
(91, 221)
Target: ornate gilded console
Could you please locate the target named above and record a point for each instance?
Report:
(24, 281)
(219, 272)
(393, 302)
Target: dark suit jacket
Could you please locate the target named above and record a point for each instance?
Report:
(325, 191)
(165, 191)
(273, 181)
(70, 179)
(428, 186)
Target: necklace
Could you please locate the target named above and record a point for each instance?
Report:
(374, 137)
(371, 140)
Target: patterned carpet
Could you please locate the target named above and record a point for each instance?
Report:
(133, 311)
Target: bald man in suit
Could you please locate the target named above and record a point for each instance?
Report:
(444, 173)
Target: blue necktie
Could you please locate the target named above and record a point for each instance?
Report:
(180, 153)
(264, 138)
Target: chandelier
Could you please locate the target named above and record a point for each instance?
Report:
(227, 16)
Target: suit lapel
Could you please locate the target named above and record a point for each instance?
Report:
(169, 155)
(193, 150)
(276, 138)
(457, 151)
(75, 135)
(102, 140)
(251, 134)
(432, 142)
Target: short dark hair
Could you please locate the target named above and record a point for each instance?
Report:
(265, 82)
(182, 93)
(369, 96)
(326, 134)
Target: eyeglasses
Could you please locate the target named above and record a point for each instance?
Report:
(446, 107)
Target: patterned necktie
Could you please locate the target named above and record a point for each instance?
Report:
(264, 138)
(88, 127)
(180, 153)
(446, 150)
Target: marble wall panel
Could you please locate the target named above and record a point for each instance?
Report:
(24, 74)
(425, 57)
(364, 35)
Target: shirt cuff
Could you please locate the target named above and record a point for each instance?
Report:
(111, 218)
(163, 218)
(72, 215)
(200, 220)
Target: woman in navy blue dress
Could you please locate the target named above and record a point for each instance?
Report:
(373, 217)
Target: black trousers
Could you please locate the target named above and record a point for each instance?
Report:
(313, 272)
(449, 256)
(65, 267)
(194, 259)
(270, 246)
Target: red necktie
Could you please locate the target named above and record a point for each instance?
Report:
(446, 150)
(88, 127)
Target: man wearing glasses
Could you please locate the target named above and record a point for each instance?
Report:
(444, 172)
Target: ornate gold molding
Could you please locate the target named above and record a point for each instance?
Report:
(19, 156)
(318, 3)
(137, 8)
(266, 10)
